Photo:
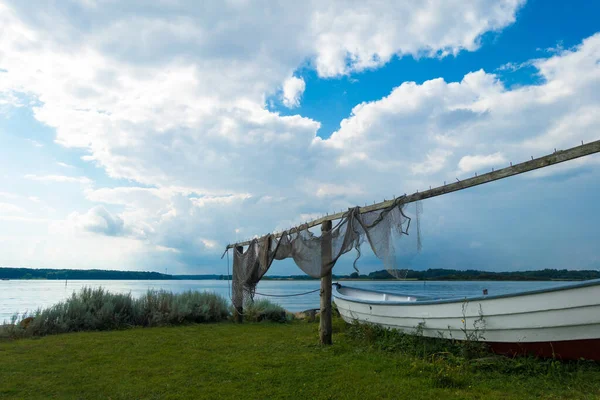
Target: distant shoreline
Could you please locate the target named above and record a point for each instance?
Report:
(382, 275)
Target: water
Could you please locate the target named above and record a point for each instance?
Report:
(27, 295)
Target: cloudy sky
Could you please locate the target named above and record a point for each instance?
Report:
(144, 136)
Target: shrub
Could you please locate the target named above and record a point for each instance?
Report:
(264, 310)
(97, 309)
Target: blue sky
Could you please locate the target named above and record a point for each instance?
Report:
(540, 26)
(148, 138)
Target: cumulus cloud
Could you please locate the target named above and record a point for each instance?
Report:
(172, 100)
(292, 91)
(367, 35)
(203, 83)
(99, 220)
(478, 162)
(472, 124)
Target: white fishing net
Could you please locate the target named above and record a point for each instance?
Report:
(378, 228)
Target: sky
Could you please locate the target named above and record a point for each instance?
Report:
(140, 136)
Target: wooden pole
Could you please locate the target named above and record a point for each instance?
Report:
(542, 162)
(237, 290)
(325, 321)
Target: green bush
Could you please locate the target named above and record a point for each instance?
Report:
(99, 310)
(264, 310)
(165, 308)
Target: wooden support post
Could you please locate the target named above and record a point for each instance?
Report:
(325, 321)
(238, 293)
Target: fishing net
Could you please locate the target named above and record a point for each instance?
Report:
(379, 228)
(250, 266)
(418, 212)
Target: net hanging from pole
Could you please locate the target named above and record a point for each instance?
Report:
(378, 228)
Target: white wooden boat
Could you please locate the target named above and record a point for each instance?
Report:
(562, 322)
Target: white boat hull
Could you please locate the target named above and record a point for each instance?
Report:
(565, 317)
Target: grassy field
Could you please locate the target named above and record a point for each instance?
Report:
(259, 361)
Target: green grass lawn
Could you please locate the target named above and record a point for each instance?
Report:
(256, 361)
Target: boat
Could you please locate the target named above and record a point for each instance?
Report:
(561, 322)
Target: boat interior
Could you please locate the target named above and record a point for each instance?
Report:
(373, 296)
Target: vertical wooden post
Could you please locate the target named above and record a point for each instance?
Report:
(238, 293)
(325, 321)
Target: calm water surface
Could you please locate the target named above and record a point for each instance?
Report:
(27, 295)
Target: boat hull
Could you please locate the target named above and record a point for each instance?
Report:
(588, 349)
(560, 322)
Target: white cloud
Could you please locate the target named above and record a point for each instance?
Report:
(64, 165)
(142, 88)
(434, 161)
(173, 99)
(479, 162)
(292, 91)
(367, 35)
(59, 179)
(99, 220)
(425, 134)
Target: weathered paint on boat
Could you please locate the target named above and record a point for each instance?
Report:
(562, 322)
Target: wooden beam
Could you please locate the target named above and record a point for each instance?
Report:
(238, 293)
(325, 319)
(537, 163)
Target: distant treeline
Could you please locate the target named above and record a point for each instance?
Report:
(438, 274)
(95, 274)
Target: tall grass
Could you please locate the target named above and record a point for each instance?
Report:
(97, 309)
(451, 362)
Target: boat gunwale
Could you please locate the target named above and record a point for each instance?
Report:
(337, 294)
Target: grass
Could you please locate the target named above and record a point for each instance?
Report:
(267, 360)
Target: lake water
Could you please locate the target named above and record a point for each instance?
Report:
(27, 295)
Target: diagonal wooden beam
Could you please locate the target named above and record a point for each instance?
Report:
(536, 163)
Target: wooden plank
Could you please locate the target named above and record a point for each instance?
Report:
(326, 281)
(537, 163)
